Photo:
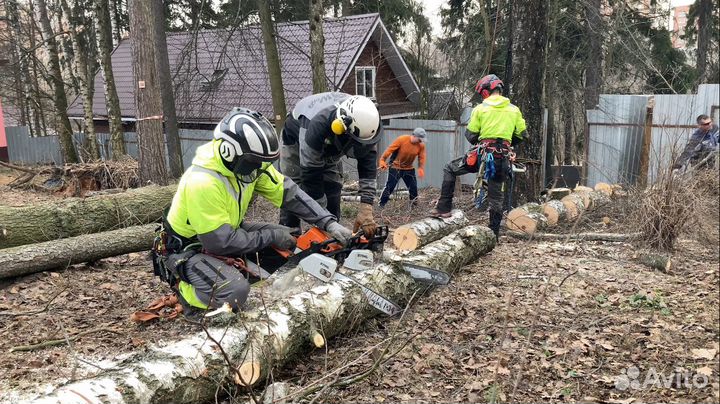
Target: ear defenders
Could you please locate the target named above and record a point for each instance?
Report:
(341, 125)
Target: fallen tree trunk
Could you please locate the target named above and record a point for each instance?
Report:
(413, 235)
(612, 237)
(190, 370)
(31, 258)
(76, 216)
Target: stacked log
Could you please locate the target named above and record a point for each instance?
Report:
(189, 370)
(527, 218)
(77, 216)
(531, 217)
(413, 235)
(31, 258)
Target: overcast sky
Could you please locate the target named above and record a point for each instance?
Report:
(432, 11)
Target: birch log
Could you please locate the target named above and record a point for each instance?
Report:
(193, 369)
(555, 212)
(31, 258)
(582, 188)
(558, 193)
(416, 234)
(526, 218)
(575, 206)
(606, 188)
(76, 216)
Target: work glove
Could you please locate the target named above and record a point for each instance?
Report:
(383, 165)
(421, 172)
(365, 221)
(339, 232)
(283, 239)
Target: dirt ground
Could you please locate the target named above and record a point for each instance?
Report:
(531, 321)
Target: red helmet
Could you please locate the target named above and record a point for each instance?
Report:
(487, 84)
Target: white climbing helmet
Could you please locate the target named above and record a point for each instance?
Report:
(361, 119)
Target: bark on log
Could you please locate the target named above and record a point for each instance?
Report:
(611, 237)
(598, 199)
(587, 201)
(558, 193)
(76, 216)
(416, 234)
(656, 261)
(555, 212)
(190, 370)
(574, 205)
(28, 259)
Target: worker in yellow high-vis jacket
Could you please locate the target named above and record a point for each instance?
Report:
(209, 208)
(495, 125)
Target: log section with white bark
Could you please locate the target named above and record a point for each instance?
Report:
(574, 204)
(76, 216)
(558, 193)
(190, 370)
(31, 258)
(555, 212)
(413, 235)
(527, 218)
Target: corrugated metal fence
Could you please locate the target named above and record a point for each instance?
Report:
(444, 142)
(616, 131)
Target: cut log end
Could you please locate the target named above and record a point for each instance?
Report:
(605, 188)
(558, 193)
(528, 224)
(247, 374)
(404, 238)
(318, 340)
(582, 188)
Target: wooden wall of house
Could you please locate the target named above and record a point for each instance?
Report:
(387, 87)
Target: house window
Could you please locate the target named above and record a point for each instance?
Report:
(365, 81)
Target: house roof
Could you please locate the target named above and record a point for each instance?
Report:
(232, 62)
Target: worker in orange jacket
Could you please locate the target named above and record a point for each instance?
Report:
(402, 153)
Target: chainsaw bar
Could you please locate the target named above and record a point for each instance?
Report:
(324, 269)
(426, 275)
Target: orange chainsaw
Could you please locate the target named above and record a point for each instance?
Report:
(356, 255)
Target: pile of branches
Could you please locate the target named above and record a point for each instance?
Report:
(78, 179)
(678, 203)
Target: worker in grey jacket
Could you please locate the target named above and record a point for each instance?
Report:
(321, 129)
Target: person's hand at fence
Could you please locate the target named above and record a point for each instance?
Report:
(383, 165)
(421, 172)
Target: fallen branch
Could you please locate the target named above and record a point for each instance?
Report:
(32, 313)
(56, 342)
(613, 237)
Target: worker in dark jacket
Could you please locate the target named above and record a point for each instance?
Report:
(209, 208)
(704, 141)
(321, 129)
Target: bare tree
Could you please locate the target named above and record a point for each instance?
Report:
(705, 9)
(529, 40)
(81, 49)
(166, 87)
(273, 62)
(317, 46)
(59, 96)
(105, 46)
(593, 67)
(148, 124)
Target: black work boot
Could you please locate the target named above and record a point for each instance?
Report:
(495, 220)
